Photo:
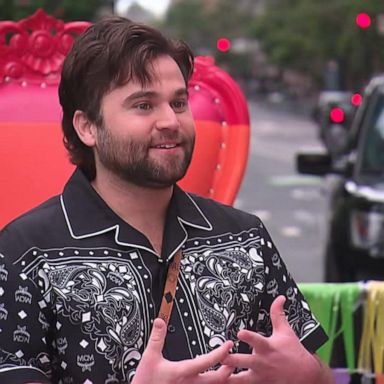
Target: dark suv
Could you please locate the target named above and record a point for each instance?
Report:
(355, 241)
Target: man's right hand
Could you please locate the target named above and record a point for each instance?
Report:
(153, 368)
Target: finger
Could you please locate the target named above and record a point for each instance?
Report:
(258, 342)
(278, 318)
(240, 360)
(219, 376)
(241, 378)
(202, 363)
(157, 337)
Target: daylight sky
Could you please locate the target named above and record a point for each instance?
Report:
(158, 7)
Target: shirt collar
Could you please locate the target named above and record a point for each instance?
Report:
(87, 215)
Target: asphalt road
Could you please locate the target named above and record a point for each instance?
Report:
(292, 206)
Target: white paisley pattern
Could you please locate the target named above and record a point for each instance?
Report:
(80, 310)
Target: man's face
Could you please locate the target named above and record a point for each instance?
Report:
(147, 136)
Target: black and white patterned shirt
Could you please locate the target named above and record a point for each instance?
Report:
(80, 288)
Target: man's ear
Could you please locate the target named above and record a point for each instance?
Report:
(85, 129)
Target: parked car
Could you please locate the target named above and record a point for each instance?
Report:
(333, 114)
(355, 240)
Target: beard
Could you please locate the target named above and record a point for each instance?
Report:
(131, 162)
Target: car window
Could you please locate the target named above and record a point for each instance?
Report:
(373, 144)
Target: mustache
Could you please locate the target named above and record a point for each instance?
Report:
(168, 136)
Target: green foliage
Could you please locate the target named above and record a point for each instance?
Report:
(296, 34)
(200, 25)
(305, 34)
(187, 21)
(68, 10)
(302, 35)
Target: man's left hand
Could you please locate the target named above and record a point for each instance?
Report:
(277, 359)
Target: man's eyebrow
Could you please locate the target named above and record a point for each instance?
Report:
(182, 92)
(142, 94)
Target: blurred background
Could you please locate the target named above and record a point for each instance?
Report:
(291, 46)
(288, 56)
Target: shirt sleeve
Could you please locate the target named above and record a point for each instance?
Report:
(24, 329)
(278, 281)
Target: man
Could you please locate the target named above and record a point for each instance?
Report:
(82, 276)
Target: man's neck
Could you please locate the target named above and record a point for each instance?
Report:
(143, 208)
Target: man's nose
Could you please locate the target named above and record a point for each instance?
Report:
(167, 118)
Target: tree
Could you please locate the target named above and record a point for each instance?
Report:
(187, 21)
(68, 10)
(201, 24)
(305, 34)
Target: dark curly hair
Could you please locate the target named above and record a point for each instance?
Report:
(107, 55)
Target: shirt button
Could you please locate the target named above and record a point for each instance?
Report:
(171, 328)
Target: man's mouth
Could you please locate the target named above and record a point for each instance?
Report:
(166, 146)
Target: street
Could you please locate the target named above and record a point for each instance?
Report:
(292, 206)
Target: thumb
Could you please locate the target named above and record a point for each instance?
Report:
(278, 318)
(157, 337)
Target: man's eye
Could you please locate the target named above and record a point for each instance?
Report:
(180, 105)
(143, 106)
